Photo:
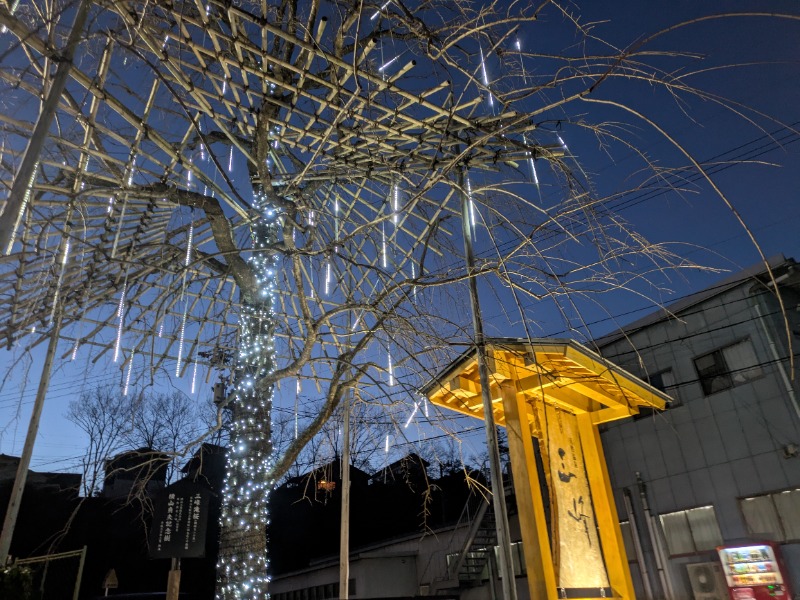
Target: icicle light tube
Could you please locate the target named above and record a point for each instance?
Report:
(188, 258)
(298, 390)
(395, 203)
(384, 251)
(182, 337)
(194, 376)
(378, 12)
(471, 207)
(121, 322)
(128, 376)
(413, 276)
(411, 416)
(486, 77)
(386, 65)
(57, 293)
(243, 563)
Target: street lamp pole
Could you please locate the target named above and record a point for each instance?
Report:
(506, 566)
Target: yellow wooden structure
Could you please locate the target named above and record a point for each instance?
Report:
(528, 378)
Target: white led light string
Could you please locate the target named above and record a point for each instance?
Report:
(243, 572)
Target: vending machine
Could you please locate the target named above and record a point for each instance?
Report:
(755, 572)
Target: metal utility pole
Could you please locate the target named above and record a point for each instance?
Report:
(27, 451)
(506, 566)
(344, 541)
(23, 181)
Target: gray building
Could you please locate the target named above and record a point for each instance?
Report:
(720, 465)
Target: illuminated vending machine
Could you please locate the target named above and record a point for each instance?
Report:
(755, 572)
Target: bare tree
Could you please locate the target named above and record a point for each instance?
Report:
(106, 420)
(277, 189)
(168, 424)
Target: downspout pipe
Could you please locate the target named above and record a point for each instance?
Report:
(637, 545)
(661, 559)
(776, 357)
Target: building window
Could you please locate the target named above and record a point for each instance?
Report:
(776, 516)
(665, 382)
(727, 367)
(517, 558)
(691, 531)
(326, 486)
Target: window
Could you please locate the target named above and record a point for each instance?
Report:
(663, 381)
(692, 530)
(327, 591)
(727, 367)
(327, 486)
(517, 557)
(774, 515)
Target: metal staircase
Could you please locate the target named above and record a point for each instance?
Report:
(470, 568)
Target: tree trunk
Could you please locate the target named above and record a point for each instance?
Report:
(242, 564)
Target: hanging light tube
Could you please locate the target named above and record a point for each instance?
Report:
(121, 317)
(128, 376)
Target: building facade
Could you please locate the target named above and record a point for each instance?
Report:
(720, 465)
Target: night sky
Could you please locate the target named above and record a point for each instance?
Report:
(749, 69)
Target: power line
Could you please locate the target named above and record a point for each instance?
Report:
(779, 138)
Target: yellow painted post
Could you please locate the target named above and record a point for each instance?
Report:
(535, 539)
(605, 509)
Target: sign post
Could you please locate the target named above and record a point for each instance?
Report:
(179, 528)
(174, 580)
(110, 582)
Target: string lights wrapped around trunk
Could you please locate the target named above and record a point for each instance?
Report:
(242, 564)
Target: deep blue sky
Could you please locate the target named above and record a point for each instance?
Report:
(766, 196)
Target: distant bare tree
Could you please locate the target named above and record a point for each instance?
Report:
(114, 422)
(106, 419)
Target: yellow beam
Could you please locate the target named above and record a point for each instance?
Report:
(561, 396)
(532, 522)
(613, 414)
(447, 400)
(620, 380)
(605, 509)
(463, 386)
(596, 392)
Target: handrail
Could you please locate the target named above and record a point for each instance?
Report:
(473, 531)
(462, 518)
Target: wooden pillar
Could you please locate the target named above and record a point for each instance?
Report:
(174, 580)
(535, 538)
(605, 510)
(15, 500)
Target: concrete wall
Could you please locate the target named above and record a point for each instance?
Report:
(708, 449)
(396, 568)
